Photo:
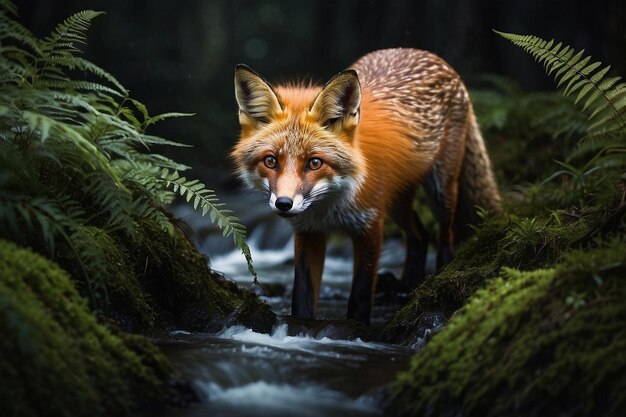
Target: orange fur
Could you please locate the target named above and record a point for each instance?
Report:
(344, 156)
(389, 154)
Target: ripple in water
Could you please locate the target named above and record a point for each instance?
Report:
(239, 372)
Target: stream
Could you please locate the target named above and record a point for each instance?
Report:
(318, 370)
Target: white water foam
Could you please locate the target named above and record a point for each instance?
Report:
(233, 262)
(337, 269)
(263, 398)
(280, 339)
(239, 372)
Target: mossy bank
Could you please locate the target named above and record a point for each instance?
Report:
(90, 257)
(507, 240)
(536, 343)
(62, 360)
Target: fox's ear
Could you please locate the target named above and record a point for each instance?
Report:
(255, 97)
(339, 102)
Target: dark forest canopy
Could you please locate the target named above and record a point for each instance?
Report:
(180, 56)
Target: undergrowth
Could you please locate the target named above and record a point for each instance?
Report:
(77, 169)
(536, 295)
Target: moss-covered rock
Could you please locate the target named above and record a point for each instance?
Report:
(446, 291)
(536, 343)
(503, 241)
(255, 314)
(155, 281)
(183, 289)
(58, 360)
(112, 279)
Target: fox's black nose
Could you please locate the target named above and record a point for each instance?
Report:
(283, 203)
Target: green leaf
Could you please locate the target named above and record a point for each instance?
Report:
(579, 75)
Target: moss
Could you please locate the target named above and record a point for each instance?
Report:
(62, 361)
(185, 291)
(154, 281)
(543, 342)
(255, 314)
(126, 301)
(505, 240)
(446, 291)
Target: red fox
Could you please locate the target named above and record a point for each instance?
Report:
(344, 156)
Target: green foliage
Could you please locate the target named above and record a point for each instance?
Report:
(518, 124)
(76, 170)
(503, 108)
(517, 345)
(57, 359)
(208, 203)
(503, 241)
(602, 152)
(535, 296)
(604, 96)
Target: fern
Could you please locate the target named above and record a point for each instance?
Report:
(63, 40)
(501, 105)
(582, 79)
(76, 166)
(207, 201)
(601, 154)
(195, 193)
(92, 258)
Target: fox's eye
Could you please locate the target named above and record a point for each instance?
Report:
(270, 162)
(330, 122)
(314, 163)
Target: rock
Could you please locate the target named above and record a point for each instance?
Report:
(255, 314)
(333, 329)
(500, 241)
(58, 359)
(186, 293)
(536, 343)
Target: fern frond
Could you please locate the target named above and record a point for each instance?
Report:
(42, 127)
(40, 215)
(598, 142)
(584, 81)
(62, 45)
(76, 170)
(64, 84)
(160, 117)
(111, 203)
(501, 104)
(11, 71)
(76, 62)
(11, 29)
(152, 160)
(78, 102)
(144, 208)
(8, 6)
(87, 245)
(204, 199)
(70, 31)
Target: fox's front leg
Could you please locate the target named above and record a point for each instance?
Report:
(310, 250)
(367, 248)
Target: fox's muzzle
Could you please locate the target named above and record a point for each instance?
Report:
(283, 203)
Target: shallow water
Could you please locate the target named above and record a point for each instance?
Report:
(317, 372)
(238, 372)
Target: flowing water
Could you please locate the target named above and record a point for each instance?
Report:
(296, 371)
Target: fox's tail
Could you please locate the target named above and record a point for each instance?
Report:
(477, 185)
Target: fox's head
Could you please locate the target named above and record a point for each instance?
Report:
(297, 142)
